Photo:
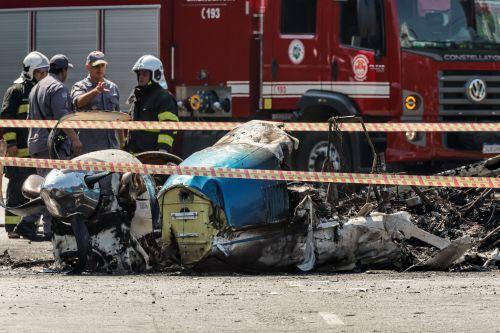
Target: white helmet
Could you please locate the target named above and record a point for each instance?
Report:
(34, 60)
(154, 65)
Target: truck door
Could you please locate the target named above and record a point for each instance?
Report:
(360, 61)
(293, 54)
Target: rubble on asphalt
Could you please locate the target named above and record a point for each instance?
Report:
(469, 218)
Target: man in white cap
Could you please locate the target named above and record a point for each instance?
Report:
(15, 106)
(95, 92)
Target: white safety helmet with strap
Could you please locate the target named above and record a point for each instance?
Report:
(154, 65)
(34, 60)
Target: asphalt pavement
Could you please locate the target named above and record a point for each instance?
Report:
(35, 299)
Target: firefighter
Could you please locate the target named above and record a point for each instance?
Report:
(151, 101)
(15, 106)
(95, 92)
(50, 100)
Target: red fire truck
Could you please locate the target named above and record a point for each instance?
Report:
(291, 60)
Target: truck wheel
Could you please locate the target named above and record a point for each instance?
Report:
(313, 151)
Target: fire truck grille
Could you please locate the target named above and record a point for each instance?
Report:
(455, 106)
(453, 99)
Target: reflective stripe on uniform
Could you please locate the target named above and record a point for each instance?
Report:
(10, 136)
(165, 138)
(167, 116)
(23, 108)
(23, 152)
(152, 130)
(12, 219)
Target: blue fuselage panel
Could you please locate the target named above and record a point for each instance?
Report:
(246, 202)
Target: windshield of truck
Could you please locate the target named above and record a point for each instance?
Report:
(459, 24)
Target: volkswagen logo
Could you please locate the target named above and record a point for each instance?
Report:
(476, 90)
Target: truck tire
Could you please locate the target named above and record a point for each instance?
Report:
(313, 150)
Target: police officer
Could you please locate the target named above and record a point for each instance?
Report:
(15, 106)
(50, 100)
(95, 92)
(151, 102)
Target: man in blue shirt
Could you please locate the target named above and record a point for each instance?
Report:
(93, 93)
(49, 100)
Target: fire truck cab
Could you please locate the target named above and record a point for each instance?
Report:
(384, 60)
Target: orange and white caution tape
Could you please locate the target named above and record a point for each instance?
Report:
(346, 178)
(227, 126)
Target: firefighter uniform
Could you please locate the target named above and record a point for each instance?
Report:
(15, 106)
(152, 103)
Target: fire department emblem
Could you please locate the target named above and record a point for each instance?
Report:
(360, 66)
(476, 90)
(296, 51)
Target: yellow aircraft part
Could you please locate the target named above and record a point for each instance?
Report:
(187, 218)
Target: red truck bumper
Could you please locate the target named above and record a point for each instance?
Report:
(400, 150)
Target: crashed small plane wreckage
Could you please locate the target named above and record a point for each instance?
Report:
(263, 225)
(104, 220)
(120, 222)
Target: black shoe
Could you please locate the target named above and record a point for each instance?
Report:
(27, 230)
(12, 235)
(36, 238)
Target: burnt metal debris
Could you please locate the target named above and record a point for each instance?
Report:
(129, 223)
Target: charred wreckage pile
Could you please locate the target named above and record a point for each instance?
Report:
(113, 222)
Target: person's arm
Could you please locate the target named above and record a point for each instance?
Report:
(121, 138)
(167, 111)
(3, 146)
(59, 104)
(76, 144)
(81, 98)
(10, 106)
(120, 132)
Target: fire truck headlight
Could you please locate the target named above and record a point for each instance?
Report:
(412, 102)
(412, 136)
